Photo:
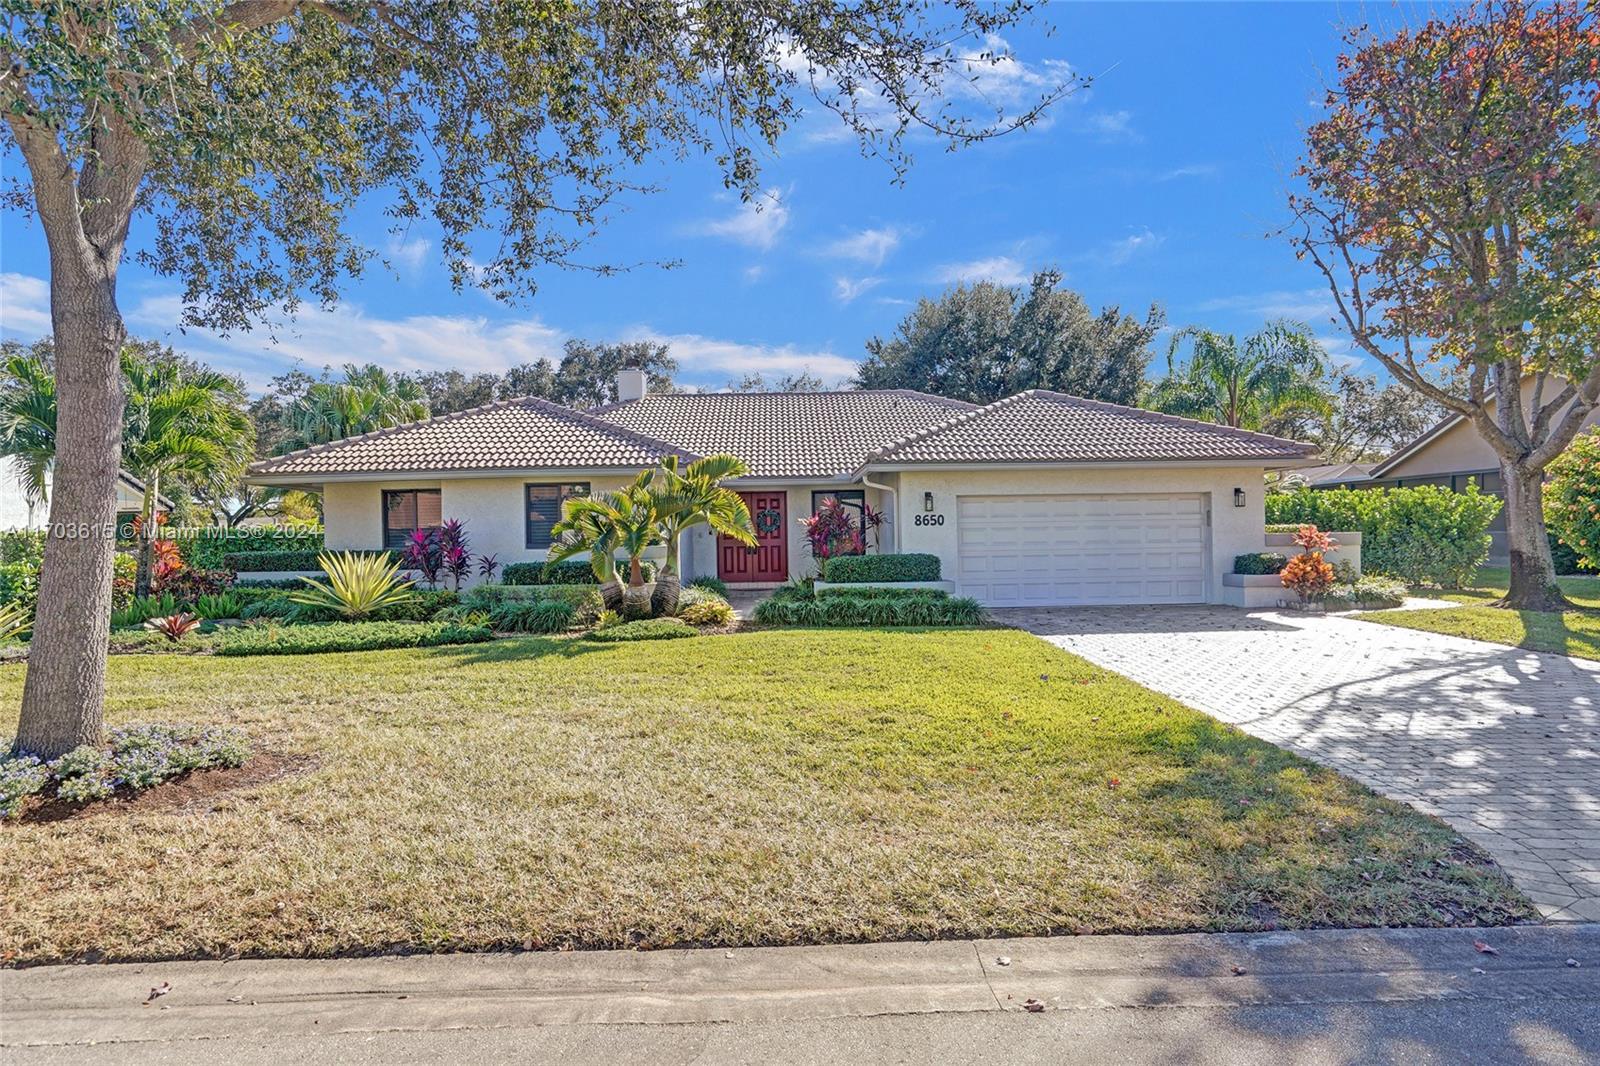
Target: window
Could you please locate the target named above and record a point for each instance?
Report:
(545, 505)
(853, 500)
(407, 510)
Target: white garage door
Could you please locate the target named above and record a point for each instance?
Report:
(1047, 551)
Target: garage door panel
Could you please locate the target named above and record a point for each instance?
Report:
(1083, 549)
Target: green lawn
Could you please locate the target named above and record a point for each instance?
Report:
(1574, 633)
(773, 787)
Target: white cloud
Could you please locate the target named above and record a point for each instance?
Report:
(711, 359)
(1191, 170)
(753, 273)
(1120, 251)
(1110, 125)
(24, 307)
(408, 253)
(1306, 305)
(1001, 269)
(868, 246)
(994, 74)
(847, 289)
(756, 223)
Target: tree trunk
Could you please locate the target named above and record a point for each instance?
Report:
(63, 698)
(1533, 572)
(664, 601)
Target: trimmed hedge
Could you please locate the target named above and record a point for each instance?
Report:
(1424, 535)
(644, 629)
(246, 562)
(568, 572)
(1260, 563)
(346, 636)
(906, 566)
(870, 607)
(205, 548)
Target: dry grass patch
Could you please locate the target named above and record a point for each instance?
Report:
(762, 788)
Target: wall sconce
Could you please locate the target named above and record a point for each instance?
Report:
(1238, 497)
(927, 501)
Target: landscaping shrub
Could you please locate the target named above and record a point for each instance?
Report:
(1259, 563)
(19, 583)
(357, 586)
(702, 607)
(870, 607)
(711, 584)
(276, 584)
(567, 572)
(222, 605)
(585, 600)
(207, 548)
(346, 636)
(260, 561)
(1572, 500)
(1425, 535)
(644, 629)
(533, 616)
(189, 584)
(1566, 560)
(906, 566)
(135, 758)
(274, 605)
(1366, 592)
(141, 610)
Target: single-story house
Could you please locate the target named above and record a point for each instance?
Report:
(1331, 476)
(1036, 499)
(18, 511)
(1453, 454)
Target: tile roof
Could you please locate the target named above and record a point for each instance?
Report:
(1050, 427)
(789, 434)
(520, 434)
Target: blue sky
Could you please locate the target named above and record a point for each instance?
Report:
(1159, 184)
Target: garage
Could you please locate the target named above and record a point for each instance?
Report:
(1065, 550)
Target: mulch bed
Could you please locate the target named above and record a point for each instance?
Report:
(196, 791)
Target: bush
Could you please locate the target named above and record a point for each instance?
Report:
(870, 607)
(144, 608)
(275, 605)
(1259, 563)
(346, 636)
(907, 566)
(710, 584)
(1366, 592)
(533, 616)
(585, 600)
(702, 607)
(1572, 500)
(22, 546)
(262, 561)
(1424, 535)
(644, 629)
(19, 583)
(1566, 559)
(1308, 576)
(206, 548)
(567, 572)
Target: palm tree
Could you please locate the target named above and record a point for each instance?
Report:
(689, 498)
(368, 398)
(28, 422)
(625, 521)
(182, 424)
(1275, 376)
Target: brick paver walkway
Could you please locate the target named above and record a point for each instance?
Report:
(1501, 743)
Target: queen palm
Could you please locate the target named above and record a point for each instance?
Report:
(1266, 382)
(28, 422)
(368, 398)
(687, 498)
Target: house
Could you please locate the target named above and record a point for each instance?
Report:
(1453, 454)
(1330, 476)
(1036, 499)
(17, 511)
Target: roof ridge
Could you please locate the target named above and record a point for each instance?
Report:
(373, 434)
(584, 418)
(968, 415)
(1162, 416)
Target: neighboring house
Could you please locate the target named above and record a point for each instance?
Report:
(18, 512)
(1453, 454)
(1038, 498)
(1331, 476)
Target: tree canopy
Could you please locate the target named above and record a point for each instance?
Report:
(982, 341)
(1269, 381)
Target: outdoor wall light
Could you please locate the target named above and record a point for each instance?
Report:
(927, 501)
(1238, 497)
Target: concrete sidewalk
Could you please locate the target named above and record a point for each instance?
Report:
(1276, 993)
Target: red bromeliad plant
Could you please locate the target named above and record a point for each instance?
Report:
(174, 626)
(1308, 574)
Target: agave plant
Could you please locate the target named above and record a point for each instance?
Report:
(15, 620)
(684, 499)
(174, 626)
(357, 585)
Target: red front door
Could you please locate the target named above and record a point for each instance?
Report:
(769, 559)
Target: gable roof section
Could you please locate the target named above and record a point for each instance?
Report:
(521, 434)
(1039, 426)
(1407, 450)
(789, 434)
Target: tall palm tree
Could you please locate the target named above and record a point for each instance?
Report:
(1267, 381)
(624, 521)
(182, 424)
(690, 497)
(28, 422)
(368, 398)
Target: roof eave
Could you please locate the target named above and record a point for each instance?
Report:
(1261, 462)
(268, 478)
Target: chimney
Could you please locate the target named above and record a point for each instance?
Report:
(630, 384)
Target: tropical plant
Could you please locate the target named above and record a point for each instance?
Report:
(369, 398)
(1264, 383)
(1308, 574)
(357, 585)
(834, 530)
(220, 605)
(28, 421)
(174, 626)
(454, 558)
(424, 553)
(143, 608)
(691, 496)
(487, 565)
(15, 620)
(624, 521)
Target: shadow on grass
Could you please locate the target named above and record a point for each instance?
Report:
(511, 649)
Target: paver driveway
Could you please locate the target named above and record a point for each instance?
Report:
(1501, 743)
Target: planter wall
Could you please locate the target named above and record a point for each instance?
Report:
(1349, 547)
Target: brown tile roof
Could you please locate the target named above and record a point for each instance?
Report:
(785, 434)
(521, 434)
(1050, 427)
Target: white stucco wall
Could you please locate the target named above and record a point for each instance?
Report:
(17, 513)
(1234, 530)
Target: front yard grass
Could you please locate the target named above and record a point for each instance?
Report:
(776, 787)
(1575, 633)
